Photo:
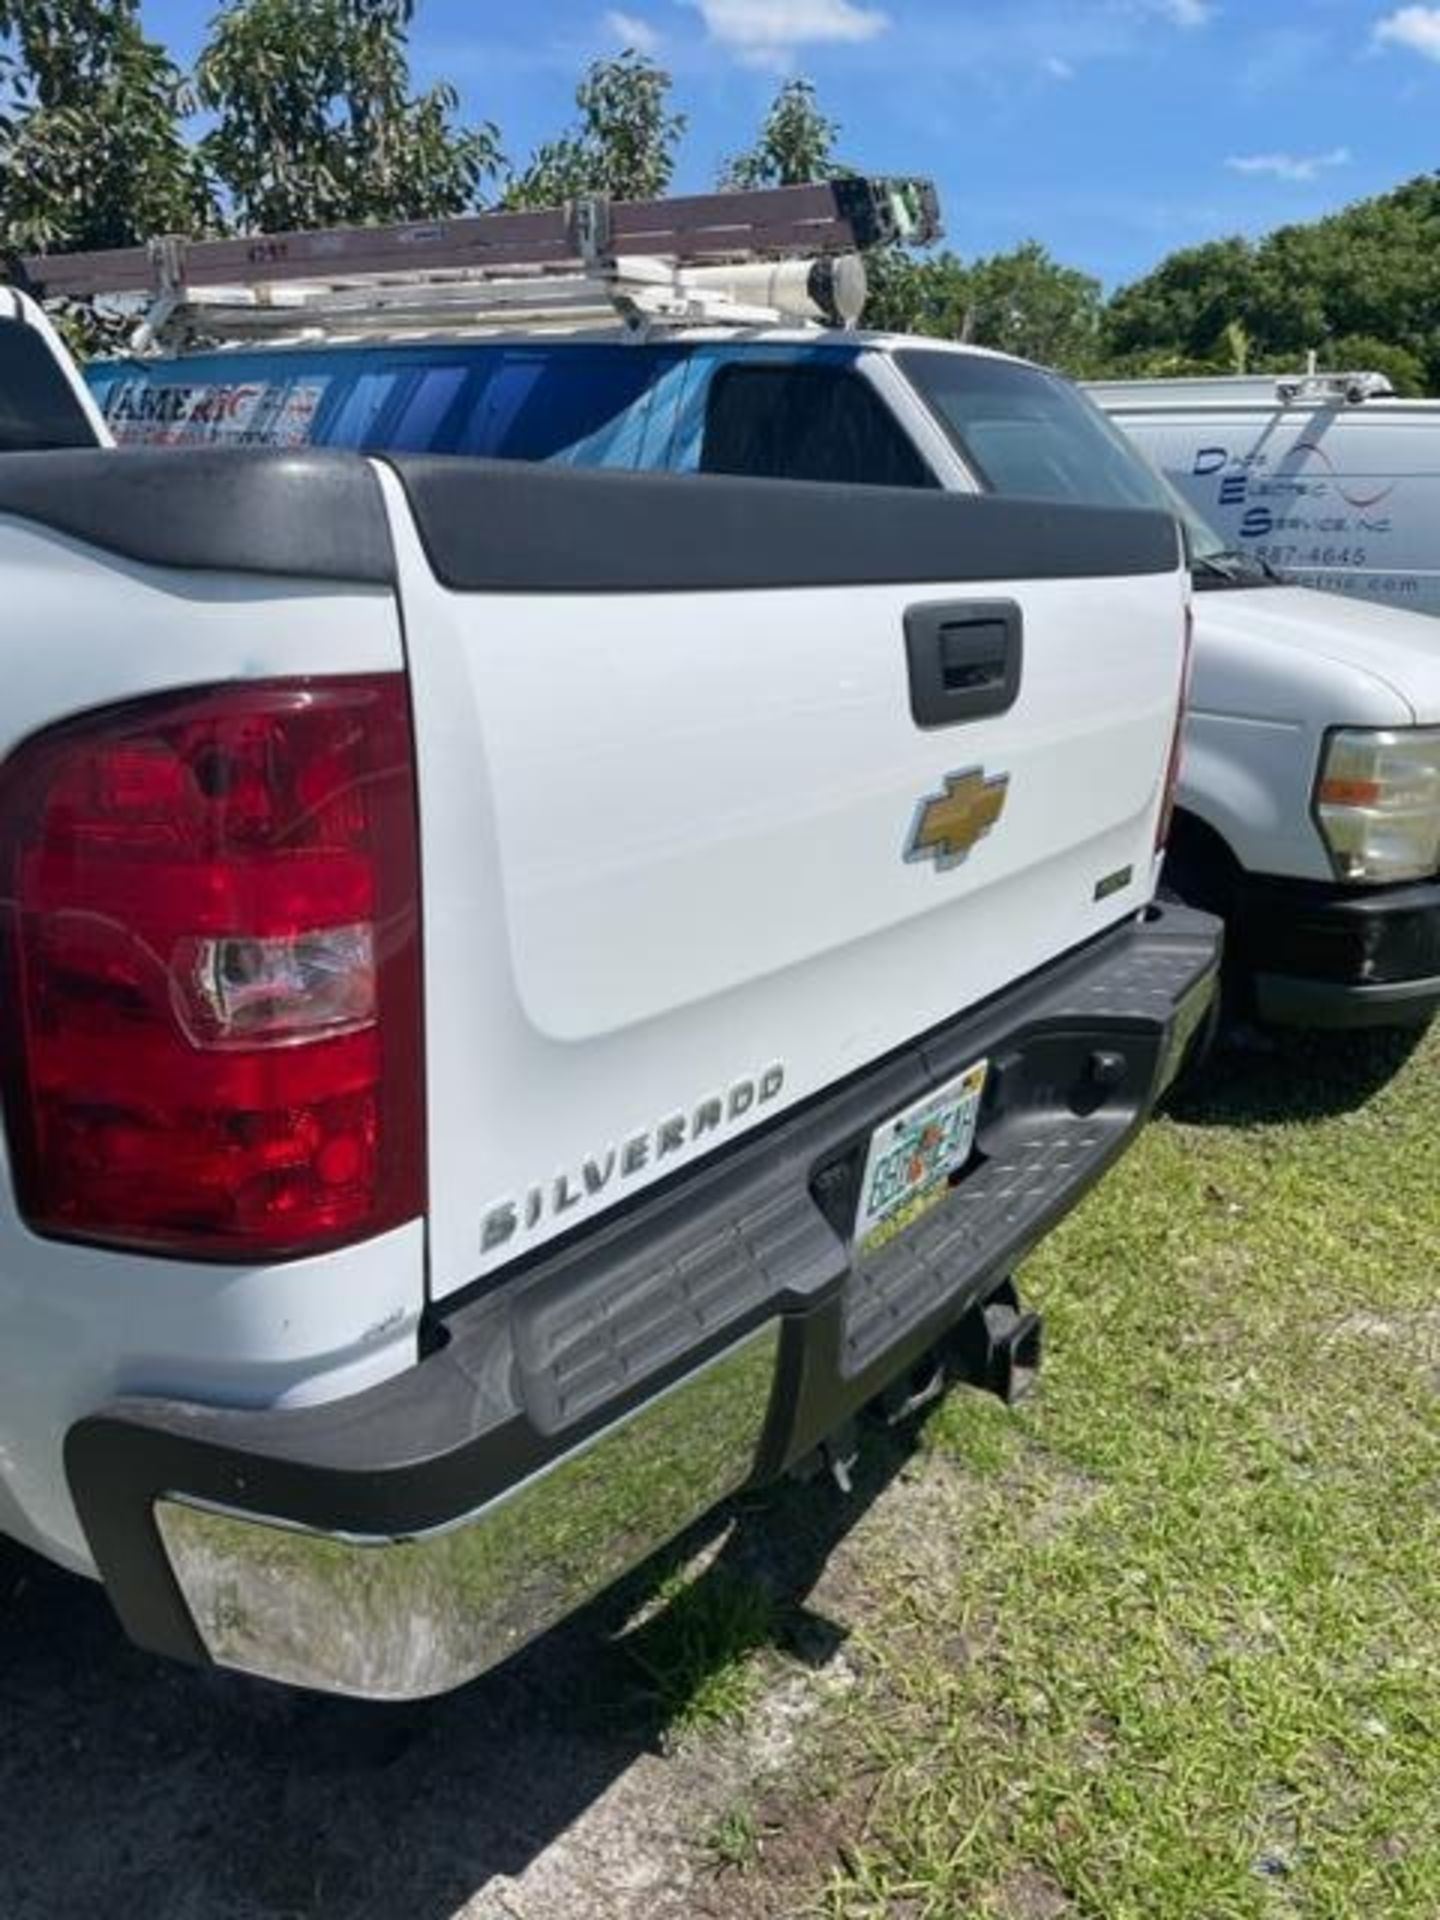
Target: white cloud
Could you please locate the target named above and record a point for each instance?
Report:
(1417, 28)
(1057, 68)
(767, 33)
(1180, 13)
(1290, 166)
(631, 31)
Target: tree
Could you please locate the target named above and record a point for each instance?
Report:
(1183, 308)
(1022, 302)
(92, 152)
(1372, 270)
(1366, 277)
(911, 294)
(1025, 302)
(623, 145)
(1405, 370)
(796, 144)
(316, 124)
(796, 147)
(1238, 347)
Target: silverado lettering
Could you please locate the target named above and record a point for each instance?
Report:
(633, 1155)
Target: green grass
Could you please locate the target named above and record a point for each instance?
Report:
(1186, 1662)
(695, 1656)
(733, 1843)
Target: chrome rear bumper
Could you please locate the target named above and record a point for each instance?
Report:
(396, 1619)
(572, 1420)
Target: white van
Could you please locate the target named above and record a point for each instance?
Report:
(1327, 478)
(1308, 807)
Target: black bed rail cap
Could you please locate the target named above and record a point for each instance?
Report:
(307, 514)
(506, 526)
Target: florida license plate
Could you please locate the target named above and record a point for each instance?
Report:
(913, 1155)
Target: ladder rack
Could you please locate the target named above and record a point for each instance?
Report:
(1328, 389)
(739, 258)
(1162, 392)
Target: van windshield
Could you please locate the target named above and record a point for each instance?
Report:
(1212, 563)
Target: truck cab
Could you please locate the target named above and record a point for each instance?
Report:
(1309, 787)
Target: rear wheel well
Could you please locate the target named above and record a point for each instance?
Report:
(1201, 870)
(1199, 867)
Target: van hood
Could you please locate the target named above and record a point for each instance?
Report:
(1341, 637)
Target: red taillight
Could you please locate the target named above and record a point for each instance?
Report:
(212, 1005)
(1177, 741)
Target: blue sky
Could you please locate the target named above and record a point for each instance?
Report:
(1112, 130)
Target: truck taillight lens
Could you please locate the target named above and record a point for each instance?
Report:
(211, 1012)
(1177, 740)
(1377, 803)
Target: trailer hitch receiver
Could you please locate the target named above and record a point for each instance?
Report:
(997, 1346)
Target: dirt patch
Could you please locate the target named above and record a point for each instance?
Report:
(1418, 1333)
(554, 1789)
(640, 1848)
(798, 1847)
(1420, 1329)
(1030, 1895)
(917, 1534)
(1062, 1498)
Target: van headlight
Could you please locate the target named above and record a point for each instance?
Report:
(1377, 803)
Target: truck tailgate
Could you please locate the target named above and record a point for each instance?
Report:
(689, 857)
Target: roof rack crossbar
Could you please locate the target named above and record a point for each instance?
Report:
(1325, 389)
(644, 293)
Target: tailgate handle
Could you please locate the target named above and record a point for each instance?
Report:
(964, 660)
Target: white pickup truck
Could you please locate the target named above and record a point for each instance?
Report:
(532, 994)
(1309, 804)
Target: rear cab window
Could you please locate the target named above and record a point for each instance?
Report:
(38, 409)
(782, 412)
(1028, 434)
(805, 423)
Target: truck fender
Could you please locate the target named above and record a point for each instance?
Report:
(1251, 782)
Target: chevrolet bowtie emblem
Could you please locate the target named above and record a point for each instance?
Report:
(948, 825)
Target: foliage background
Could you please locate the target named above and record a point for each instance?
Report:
(303, 113)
